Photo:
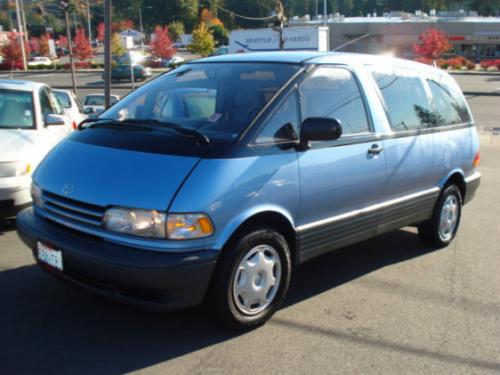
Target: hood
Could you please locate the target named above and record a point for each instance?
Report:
(113, 175)
(17, 145)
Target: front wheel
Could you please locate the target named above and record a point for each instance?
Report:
(252, 278)
(442, 227)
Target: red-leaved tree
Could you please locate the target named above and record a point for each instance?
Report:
(44, 49)
(434, 44)
(12, 53)
(161, 45)
(122, 25)
(62, 42)
(82, 49)
(100, 32)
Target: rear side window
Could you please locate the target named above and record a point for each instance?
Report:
(449, 102)
(334, 93)
(405, 99)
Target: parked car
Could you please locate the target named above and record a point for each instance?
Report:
(172, 62)
(123, 71)
(39, 61)
(93, 104)
(216, 180)
(71, 106)
(31, 123)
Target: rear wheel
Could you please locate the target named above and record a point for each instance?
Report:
(442, 227)
(252, 278)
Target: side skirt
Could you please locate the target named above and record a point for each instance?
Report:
(347, 229)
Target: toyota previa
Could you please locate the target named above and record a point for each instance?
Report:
(212, 182)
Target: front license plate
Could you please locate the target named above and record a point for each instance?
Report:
(50, 256)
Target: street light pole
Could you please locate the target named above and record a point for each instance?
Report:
(21, 33)
(88, 22)
(140, 27)
(324, 12)
(107, 52)
(70, 48)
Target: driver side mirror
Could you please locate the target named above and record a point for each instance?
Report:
(319, 129)
(52, 119)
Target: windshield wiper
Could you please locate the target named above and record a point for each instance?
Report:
(199, 136)
(111, 123)
(145, 124)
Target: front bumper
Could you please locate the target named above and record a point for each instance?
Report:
(13, 199)
(146, 278)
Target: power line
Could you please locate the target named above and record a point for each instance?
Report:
(239, 15)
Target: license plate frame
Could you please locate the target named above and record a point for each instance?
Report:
(50, 257)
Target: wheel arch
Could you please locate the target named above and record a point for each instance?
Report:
(457, 178)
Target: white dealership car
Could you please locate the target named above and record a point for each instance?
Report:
(71, 106)
(32, 121)
(93, 104)
(40, 61)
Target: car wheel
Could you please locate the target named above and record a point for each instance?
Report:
(252, 278)
(442, 227)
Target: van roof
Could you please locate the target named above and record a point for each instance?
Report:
(313, 57)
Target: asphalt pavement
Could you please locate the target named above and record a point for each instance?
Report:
(386, 306)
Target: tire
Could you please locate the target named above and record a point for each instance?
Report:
(440, 233)
(237, 285)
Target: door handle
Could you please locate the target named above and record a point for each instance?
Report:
(375, 149)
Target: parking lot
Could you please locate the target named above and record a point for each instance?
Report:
(389, 305)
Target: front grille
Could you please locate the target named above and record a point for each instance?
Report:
(77, 212)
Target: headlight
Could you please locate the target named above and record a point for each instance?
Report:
(14, 169)
(155, 224)
(36, 195)
(137, 222)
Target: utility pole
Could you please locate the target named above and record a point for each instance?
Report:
(279, 24)
(107, 52)
(324, 12)
(140, 27)
(20, 37)
(23, 16)
(67, 7)
(88, 23)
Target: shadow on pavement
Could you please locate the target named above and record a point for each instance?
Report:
(48, 327)
(7, 226)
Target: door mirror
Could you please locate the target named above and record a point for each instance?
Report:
(319, 129)
(52, 119)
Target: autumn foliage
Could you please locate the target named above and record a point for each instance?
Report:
(100, 32)
(43, 48)
(119, 26)
(12, 53)
(433, 44)
(161, 44)
(82, 49)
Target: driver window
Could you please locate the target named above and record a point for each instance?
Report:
(282, 126)
(45, 104)
(334, 93)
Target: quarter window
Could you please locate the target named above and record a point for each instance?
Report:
(448, 103)
(333, 93)
(405, 98)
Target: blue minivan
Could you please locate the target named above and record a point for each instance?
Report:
(214, 181)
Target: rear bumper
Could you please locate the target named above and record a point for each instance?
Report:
(472, 183)
(146, 278)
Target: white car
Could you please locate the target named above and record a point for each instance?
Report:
(40, 61)
(93, 104)
(71, 106)
(31, 122)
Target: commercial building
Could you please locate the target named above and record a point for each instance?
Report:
(477, 38)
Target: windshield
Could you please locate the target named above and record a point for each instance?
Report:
(97, 100)
(217, 99)
(63, 98)
(16, 109)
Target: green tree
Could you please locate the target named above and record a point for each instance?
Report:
(203, 42)
(220, 34)
(176, 29)
(117, 47)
